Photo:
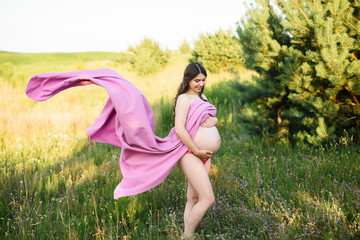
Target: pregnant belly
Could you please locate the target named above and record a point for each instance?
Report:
(207, 139)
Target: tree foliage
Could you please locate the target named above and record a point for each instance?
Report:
(147, 57)
(184, 47)
(307, 55)
(218, 51)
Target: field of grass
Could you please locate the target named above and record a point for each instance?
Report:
(56, 184)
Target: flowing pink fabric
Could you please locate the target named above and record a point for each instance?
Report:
(126, 121)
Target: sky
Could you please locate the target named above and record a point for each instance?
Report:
(34, 26)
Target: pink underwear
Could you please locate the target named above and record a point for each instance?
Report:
(190, 152)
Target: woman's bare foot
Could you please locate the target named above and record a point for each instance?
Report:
(187, 237)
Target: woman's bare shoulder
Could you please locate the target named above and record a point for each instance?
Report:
(204, 97)
(183, 99)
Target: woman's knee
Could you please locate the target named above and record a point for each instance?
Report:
(192, 197)
(208, 198)
(211, 199)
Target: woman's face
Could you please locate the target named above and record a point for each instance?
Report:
(197, 83)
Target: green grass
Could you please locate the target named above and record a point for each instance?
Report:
(60, 58)
(55, 184)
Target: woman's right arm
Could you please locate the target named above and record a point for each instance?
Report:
(181, 111)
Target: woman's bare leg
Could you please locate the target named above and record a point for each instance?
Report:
(192, 197)
(200, 195)
(191, 200)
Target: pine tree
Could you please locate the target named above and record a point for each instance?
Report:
(218, 51)
(307, 55)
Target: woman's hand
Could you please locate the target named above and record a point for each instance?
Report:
(210, 122)
(204, 154)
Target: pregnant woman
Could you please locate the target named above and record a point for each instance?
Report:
(196, 162)
(127, 121)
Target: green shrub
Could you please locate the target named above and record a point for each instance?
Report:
(147, 57)
(218, 51)
(122, 58)
(185, 47)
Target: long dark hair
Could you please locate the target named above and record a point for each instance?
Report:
(191, 71)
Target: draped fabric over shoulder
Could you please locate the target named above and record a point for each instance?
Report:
(126, 121)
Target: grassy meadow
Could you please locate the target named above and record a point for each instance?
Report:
(56, 184)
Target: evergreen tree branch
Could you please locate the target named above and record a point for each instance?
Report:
(292, 70)
(300, 24)
(303, 13)
(253, 36)
(353, 95)
(327, 63)
(317, 5)
(322, 72)
(298, 41)
(337, 12)
(353, 56)
(356, 20)
(320, 103)
(322, 124)
(335, 100)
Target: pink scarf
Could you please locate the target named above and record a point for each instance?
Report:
(126, 121)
